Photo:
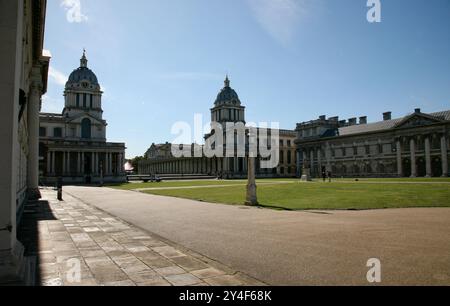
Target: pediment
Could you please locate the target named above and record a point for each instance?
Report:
(417, 120)
(80, 117)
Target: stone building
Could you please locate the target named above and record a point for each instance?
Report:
(227, 109)
(23, 80)
(73, 144)
(413, 146)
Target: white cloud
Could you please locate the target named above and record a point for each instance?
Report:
(191, 76)
(73, 8)
(52, 105)
(57, 76)
(279, 18)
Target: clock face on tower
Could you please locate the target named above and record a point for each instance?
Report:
(85, 84)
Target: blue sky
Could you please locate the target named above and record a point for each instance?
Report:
(162, 61)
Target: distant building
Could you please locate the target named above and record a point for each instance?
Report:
(413, 146)
(73, 144)
(227, 109)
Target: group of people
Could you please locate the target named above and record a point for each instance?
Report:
(326, 175)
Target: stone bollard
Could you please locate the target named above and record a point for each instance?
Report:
(59, 188)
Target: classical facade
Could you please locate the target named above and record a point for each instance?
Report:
(73, 144)
(23, 80)
(416, 145)
(227, 109)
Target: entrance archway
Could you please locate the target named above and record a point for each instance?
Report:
(421, 167)
(406, 163)
(436, 166)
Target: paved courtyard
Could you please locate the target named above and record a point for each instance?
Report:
(294, 248)
(109, 251)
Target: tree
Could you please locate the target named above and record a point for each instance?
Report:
(135, 163)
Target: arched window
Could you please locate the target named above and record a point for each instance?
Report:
(86, 128)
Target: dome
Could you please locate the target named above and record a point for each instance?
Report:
(227, 95)
(83, 73)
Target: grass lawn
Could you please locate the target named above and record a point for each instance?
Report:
(341, 194)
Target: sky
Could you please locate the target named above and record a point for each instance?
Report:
(163, 61)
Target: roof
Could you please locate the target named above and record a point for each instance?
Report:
(386, 125)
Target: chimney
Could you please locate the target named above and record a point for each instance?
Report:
(323, 118)
(363, 120)
(417, 110)
(387, 116)
(334, 119)
(352, 121)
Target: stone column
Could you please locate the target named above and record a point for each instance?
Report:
(11, 33)
(49, 162)
(319, 160)
(412, 144)
(53, 163)
(64, 163)
(33, 135)
(69, 163)
(429, 172)
(313, 172)
(97, 163)
(399, 158)
(444, 156)
(92, 163)
(82, 164)
(109, 163)
(299, 169)
(252, 198)
(328, 157)
(78, 163)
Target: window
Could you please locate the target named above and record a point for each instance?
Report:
(289, 143)
(344, 152)
(367, 149)
(86, 128)
(42, 132)
(281, 157)
(281, 143)
(84, 101)
(355, 151)
(289, 157)
(78, 100)
(57, 132)
(380, 149)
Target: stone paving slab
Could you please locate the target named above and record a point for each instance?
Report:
(71, 238)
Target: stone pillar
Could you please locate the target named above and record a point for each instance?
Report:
(444, 156)
(53, 163)
(11, 34)
(64, 163)
(313, 171)
(252, 198)
(429, 172)
(82, 164)
(33, 135)
(92, 163)
(319, 160)
(399, 158)
(97, 164)
(412, 144)
(78, 163)
(49, 162)
(328, 157)
(299, 169)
